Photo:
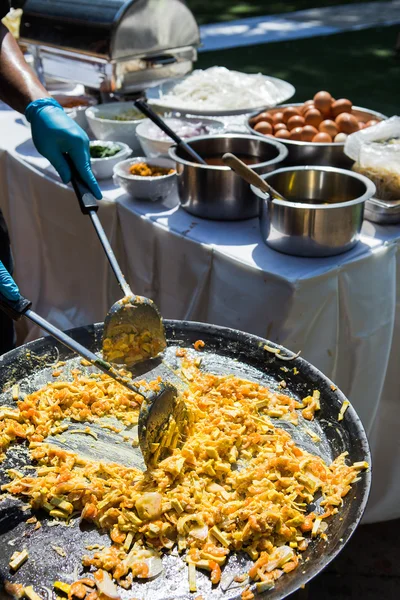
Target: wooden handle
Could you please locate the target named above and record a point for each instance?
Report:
(232, 161)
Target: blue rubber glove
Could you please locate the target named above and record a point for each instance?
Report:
(8, 287)
(54, 133)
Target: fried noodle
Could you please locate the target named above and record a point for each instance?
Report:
(238, 483)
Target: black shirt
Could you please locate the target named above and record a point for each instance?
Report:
(6, 5)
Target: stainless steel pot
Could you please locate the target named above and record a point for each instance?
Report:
(307, 153)
(322, 214)
(217, 193)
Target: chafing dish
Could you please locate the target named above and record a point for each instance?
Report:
(114, 46)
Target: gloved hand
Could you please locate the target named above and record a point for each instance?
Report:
(8, 287)
(54, 133)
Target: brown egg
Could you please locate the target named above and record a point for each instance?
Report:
(306, 106)
(264, 116)
(283, 134)
(296, 133)
(277, 117)
(371, 123)
(329, 127)
(263, 127)
(291, 111)
(295, 121)
(346, 123)
(326, 114)
(322, 138)
(341, 106)
(279, 126)
(361, 125)
(313, 117)
(308, 133)
(323, 101)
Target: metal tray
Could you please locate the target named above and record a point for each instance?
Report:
(226, 351)
(383, 212)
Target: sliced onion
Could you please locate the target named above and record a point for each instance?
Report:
(155, 566)
(289, 357)
(200, 533)
(197, 518)
(105, 585)
(281, 556)
(323, 526)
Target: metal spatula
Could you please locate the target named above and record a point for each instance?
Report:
(162, 411)
(136, 318)
(133, 329)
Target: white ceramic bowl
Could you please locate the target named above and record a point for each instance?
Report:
(102, 121)
(155, 189)
(147, 133)
(103, 168)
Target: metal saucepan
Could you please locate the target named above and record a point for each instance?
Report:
(216, 192)
(226, 352)
(307, 153)
(322, 214)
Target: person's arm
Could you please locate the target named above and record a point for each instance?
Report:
(18, 84)
(54, 133)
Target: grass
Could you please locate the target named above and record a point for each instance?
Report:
(216, 11)
(359, 65)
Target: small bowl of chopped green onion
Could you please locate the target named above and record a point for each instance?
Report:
(105, 155)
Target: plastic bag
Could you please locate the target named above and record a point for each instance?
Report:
(376, 152)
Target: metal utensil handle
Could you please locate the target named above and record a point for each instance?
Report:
(232, 161)
(15, 309)
(148, 112)
(87, 201)
(110, 254)
(75, 346)
(89, 206)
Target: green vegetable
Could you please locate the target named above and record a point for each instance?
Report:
(99, 151)
(128, 115)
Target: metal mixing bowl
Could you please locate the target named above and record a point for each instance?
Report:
(322, 214)
(217, 193)
(307, 153)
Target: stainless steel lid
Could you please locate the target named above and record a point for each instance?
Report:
(111, 29)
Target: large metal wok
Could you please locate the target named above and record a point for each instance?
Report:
(226, 352)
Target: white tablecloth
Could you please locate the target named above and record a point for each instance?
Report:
(341, 311)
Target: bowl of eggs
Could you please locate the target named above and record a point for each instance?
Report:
(314, 131)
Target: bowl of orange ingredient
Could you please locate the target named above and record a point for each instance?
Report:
(315, 131)
(144, 178)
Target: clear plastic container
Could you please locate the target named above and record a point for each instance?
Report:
(376, 152)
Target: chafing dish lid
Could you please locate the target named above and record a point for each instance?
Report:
(113, 29)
